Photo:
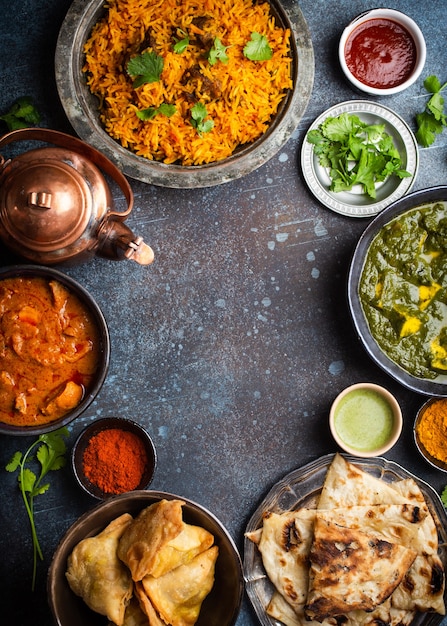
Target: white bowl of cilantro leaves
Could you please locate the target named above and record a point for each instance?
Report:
(358, 157)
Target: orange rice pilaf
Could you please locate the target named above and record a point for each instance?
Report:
(240, 96)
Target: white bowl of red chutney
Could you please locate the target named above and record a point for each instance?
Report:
(382, 52)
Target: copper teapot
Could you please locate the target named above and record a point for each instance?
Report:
(56, 206)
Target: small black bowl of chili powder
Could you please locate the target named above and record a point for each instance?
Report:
(113, 455)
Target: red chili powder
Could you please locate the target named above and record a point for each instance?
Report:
(115, 460)
(380, 53)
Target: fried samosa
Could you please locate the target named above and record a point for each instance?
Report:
(95, 573)
(177, 596)
(158, 540)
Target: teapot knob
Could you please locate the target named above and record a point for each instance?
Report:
(39, 200)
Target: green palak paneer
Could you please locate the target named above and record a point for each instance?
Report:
(403, 290)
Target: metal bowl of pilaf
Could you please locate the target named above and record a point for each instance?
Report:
(190, 97)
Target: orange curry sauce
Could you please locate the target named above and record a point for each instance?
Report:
(380, 53)
(48, 350)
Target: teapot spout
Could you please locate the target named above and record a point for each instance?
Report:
(117, 242)
(139, 252)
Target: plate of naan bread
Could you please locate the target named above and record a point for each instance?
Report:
(351, 541)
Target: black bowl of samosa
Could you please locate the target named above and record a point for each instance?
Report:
(146, 557)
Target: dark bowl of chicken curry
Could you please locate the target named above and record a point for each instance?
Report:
(397, 290)
(54, 346)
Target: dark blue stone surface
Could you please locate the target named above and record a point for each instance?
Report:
(232, 345)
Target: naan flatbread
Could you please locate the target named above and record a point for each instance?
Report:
(177, 596)
(395, 514)
(352, 570)
(423, 586)
(285, 545)
(397, 523)
(383, 615)
(95, 573)
(347, 485)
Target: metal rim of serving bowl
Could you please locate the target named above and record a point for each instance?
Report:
(103, 367)
(106, 423)
(81, 106)
(408, 202)
(228, 569)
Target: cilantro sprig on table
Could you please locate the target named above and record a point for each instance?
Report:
(355, 153)
(50, 456)
(432, 120)
(22, 114)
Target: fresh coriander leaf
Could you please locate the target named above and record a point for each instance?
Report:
(432, 84)
(444, 496)
(181, 44)
(42, 489)
(436, 106)
(427, 128)
(218, 52)
(258, 49)
(27, 480)
(432, 120)
(164, 109)
(22, 114)
(51, 449)
(145, 68)
(198, 115)
(14, 462)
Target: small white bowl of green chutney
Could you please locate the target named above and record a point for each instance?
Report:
(365, 420)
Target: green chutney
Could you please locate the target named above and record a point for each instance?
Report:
(364, 420)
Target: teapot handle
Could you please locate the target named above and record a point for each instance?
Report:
(63, 140)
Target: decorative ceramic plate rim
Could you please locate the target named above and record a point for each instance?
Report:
(344, 202)
(80, 105)
(302, 487)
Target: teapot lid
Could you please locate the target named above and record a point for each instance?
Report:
(45, 203)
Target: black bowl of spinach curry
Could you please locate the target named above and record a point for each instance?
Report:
(397, 290)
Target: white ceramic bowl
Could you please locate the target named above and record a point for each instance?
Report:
(409, 25)
(367, 434)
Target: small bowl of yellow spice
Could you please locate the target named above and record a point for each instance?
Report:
(430, 432)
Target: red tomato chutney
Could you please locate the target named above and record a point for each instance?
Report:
(380, 53)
